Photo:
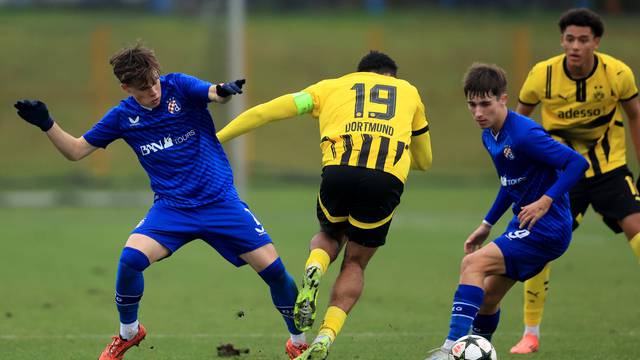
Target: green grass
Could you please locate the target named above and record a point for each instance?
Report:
(58, 268)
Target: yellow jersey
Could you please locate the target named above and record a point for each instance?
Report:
(367, 120)
(584, 113)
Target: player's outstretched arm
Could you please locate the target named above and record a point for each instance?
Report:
(36, 113)
(71, 147)
(279, 108)
(221, 93)
(421, 156)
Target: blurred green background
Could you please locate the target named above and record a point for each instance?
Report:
(58, 262)
(61, 57)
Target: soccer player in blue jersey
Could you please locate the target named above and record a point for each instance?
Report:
(535, 173)
(166, 122)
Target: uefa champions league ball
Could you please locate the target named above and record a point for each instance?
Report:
(472, 347)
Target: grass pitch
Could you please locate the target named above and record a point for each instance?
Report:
(58, 269)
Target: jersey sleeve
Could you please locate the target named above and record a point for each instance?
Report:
(539, 146)
(282, 107)
(532, 87)
(105, 131)
(420, 124)
(194, 89)
(499, 207)
(316, 93)
(626, 83)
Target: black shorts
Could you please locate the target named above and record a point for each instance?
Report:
(359, 202)
(612, 194)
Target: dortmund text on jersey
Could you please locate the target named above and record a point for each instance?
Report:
(367, 120)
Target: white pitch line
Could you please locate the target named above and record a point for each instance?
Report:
(266, 335)
(211, 335)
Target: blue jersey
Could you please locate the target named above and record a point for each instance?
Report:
(175, 143)
(528, 162)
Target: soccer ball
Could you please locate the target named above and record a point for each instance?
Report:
(472, 347)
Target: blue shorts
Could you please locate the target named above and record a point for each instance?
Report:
(227, 226)
(527, 252)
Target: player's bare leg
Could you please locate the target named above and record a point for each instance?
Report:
(324, 250)
(488, 317)
(495, 288)
(350, 282)
(260, 258)
(346, 292)
(140, 251)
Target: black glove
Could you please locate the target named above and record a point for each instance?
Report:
(230, 88)
(638, 182)
(34, 112)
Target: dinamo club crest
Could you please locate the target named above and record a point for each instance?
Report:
(508, 153)
(173, 106)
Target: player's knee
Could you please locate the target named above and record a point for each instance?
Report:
(352, 265)
(470, 264)
(134, 259)
(465, 264)
(358, 259)
(329, 235)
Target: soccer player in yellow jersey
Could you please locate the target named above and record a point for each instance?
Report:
(582, 95)
(373, 128)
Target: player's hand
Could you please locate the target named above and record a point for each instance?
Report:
(230, 88)
(531, 213)
(477, 238)
(34, 112)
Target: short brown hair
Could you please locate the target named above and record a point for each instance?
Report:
(485, 79)
(136, 66)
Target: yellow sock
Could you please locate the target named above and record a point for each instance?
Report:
(319, 258)
(535, 294)
(635, 245)
(333, 322)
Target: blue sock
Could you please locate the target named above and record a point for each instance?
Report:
(283, 291)
(130, 283)
(466, 303)
(486, 325)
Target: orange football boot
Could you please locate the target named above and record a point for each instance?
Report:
(294, 350)
(527, 345)
(117, 348)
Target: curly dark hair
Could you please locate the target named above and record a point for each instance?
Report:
(582, 17)
(136, 66)
(378, 62)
